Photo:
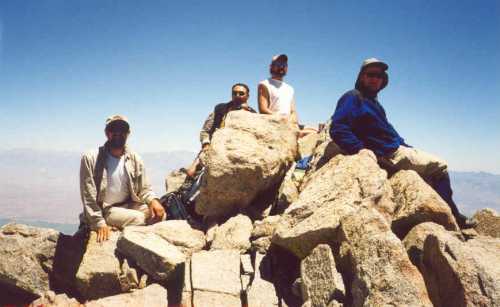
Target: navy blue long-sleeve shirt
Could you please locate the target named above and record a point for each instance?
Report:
(360, 122)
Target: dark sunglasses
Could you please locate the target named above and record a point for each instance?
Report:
(118, 128)
(239, 93)
(375, 75)
(280, 65)
(118, 131)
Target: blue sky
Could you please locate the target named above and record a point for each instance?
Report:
(66, 65)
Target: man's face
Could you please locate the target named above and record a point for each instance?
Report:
(239, 94)
(372, 79)
(117, 135)
(279, 68)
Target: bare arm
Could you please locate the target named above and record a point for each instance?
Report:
(263, 100)
(293, 113)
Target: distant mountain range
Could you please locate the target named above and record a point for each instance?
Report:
(43, 186)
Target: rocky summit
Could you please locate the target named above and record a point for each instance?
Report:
(341, 233)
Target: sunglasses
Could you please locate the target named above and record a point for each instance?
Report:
(280, 65)
(375, 75)
(239, 93)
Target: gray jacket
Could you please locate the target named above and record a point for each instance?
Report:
(93, 172)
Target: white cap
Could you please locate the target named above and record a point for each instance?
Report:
(374, 61)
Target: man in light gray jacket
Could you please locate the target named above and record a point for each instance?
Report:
(113, 185)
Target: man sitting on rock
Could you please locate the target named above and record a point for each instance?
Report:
(240, 94)
(360, 122)
(114, 188)
(275, 96)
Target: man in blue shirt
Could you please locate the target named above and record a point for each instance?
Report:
(360, 122)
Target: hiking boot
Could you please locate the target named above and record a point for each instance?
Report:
(464, 222)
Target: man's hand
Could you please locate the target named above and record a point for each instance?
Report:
(245, 106)
(156, 210)
(103, 233)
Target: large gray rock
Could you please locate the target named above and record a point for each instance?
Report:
(416, 202)
(463, 273)
(152, 295)
(376, 263)
(215, 277)
(488, 222)
(150, 251)
(333, 191)
(247, 157)
(233, 234)
(99, 272)
(26, 257)
(320, 280)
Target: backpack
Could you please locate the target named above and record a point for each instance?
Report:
(175, 208)
(179, 204)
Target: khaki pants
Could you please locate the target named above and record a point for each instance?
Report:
(130, 214)
(431, 168)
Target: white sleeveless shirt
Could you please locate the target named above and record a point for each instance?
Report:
(281, 96)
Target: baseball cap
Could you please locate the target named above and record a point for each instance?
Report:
(117, 120)
(374, 61)
(277, 57)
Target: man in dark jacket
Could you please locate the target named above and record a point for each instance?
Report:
(240, 94)
(360, 122)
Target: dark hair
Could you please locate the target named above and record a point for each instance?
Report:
(241, 84)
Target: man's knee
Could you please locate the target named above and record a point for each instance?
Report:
(121, 217)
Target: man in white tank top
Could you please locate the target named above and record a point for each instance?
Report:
(275, 96)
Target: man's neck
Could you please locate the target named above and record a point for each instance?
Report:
(369, 95)
(117, 152)
(279, 78)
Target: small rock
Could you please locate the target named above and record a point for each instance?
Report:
(261, 245)
(265, 227)
(463, 273)
(174, 181)
(99, 272)
(416, 202)
(50, 299)
(215, 277)
(488, 222)
(150, 251)
(152, 295)
(246, 264)
(308, 143)
(180, 234)
(320, 280)
(233, 234)
(262, 292)
(288, 191)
